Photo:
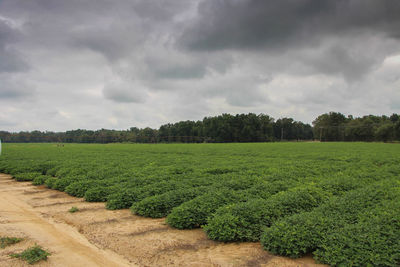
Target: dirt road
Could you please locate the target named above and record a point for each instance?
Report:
(69, 247)
(94, 236)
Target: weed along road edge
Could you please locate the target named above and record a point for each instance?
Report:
(67, 245)
(94, 236)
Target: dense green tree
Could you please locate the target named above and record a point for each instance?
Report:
(330, 126)
(385, 132)
(249, 127)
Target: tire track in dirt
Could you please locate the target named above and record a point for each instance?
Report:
(68, 246)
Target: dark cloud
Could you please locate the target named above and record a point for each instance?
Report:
(7, 34)
(176, 66)
(124, 92)
(163, 64)
(338, 60)
(178, 71)
(13, 88)
(162, 10)
(339, 33)
(237, 89)
(258, 24)
(10, 60)
(107, 42)
(121, 29)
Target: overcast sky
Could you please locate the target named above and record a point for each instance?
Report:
(119, 63)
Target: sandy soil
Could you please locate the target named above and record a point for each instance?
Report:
(94, 236)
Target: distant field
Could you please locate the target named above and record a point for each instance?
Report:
(340, 201)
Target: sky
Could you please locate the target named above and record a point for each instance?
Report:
(115, 64)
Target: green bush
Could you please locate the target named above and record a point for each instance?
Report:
(62, 183)
(39, 180)
(3, 166)
(100, 193)
(53, 171)
(245, 221)
(49, 182)
(32, 254)
(265, 189)
(17, 167)
(69, 171)
(217, 171)
(125, 198)
(235, 182)
(158, 188)
(373, 241)
(73, 210)
(8, 241)
(26, 176)
(294, 236)
(342, 184)
(160, 205)
(79, 188)
(305, 232)
(42, 167)
(122, 199)
(194, 213)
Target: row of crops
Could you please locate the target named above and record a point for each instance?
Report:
(339, 201)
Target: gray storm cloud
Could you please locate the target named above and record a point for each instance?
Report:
(12, 87)
(282, 26)
(124, 92)
(116, 64)
(257, 24)
(10, 60)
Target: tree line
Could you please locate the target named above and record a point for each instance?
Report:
(335, 126)
(249, 127)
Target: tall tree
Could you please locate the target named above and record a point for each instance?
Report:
(330, 126)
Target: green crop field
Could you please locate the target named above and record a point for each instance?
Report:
(339, 201)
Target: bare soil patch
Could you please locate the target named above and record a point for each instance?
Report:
(94, 236)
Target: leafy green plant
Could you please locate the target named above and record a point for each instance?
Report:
(79, 188)
(245, 221)
(194, 213)
(41, 179)
(32, 254)
(26, 176)
(99, 193)
(62, 183)
(73, 210)
(7, 241)
(372, 241)
(121, 200)
(161, 205)
(330, 226)
(126, 197)
(49, 182)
